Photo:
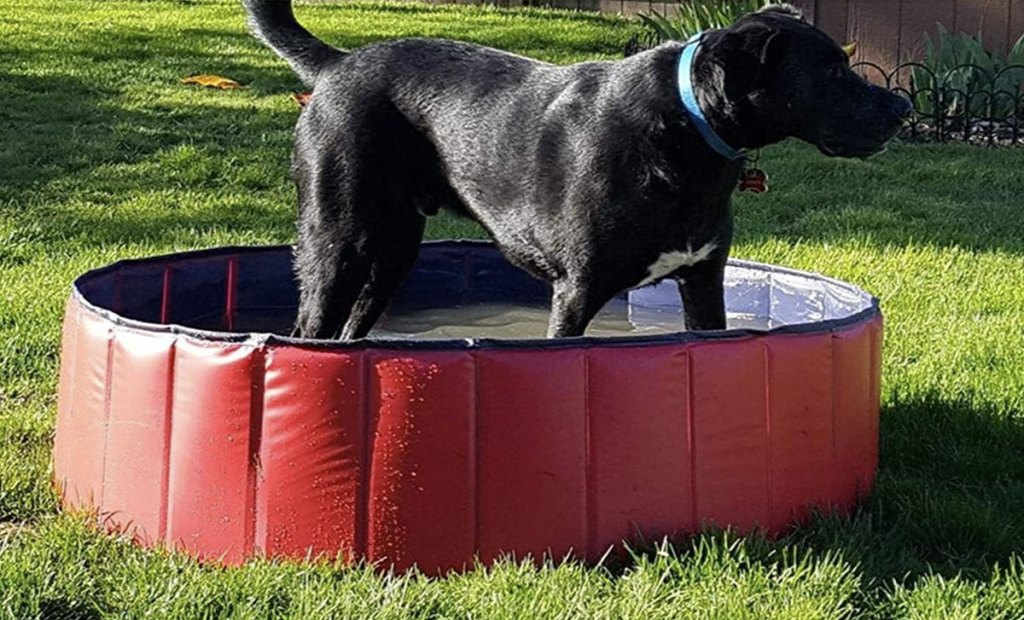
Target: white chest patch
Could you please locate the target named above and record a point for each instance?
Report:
(668, 262)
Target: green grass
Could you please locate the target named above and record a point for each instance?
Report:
(104, 155)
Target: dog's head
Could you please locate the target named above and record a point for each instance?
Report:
(777, 76)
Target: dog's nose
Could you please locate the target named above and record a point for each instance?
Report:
(904, 107)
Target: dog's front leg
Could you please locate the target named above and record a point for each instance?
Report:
(702, 289)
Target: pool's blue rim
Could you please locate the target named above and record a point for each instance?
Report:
(263, 339)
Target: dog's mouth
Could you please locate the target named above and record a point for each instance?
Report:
(834, 148)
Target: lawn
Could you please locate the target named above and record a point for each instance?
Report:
(105, 155)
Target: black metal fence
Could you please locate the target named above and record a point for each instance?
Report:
(966, 103)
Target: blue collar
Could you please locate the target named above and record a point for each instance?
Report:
(692, 107)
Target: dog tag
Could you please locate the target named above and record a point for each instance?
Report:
(754, 180)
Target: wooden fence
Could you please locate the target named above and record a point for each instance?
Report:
(887, 32)
(890, 32)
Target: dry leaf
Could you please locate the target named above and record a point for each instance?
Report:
(302, 98)
(212, 81)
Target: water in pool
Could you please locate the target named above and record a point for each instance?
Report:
(503, 320)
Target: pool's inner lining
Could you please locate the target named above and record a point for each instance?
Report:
(457, 290)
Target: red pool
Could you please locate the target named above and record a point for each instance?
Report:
(186, 422)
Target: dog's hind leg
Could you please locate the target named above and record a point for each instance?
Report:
(331, 261)
(574, 302)
(395, 249)
(350, 263)
(362, 171)
(328, 264)
(359, 231)
(349, 272)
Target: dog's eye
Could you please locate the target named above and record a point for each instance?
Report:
(835, 71)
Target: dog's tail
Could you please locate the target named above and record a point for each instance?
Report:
(273, 22)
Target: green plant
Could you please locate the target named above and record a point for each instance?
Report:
(696, 15)
(960, 78)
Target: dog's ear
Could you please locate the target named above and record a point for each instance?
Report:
(783, 10)
(747, 53)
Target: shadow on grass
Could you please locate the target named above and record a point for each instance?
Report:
(74, 143)
(943, 195)
(950, 493)
(485, 29)
(66, 609)
(41, 118)
(949, 501)
(190, 51)
(67, 130)
(60, 125)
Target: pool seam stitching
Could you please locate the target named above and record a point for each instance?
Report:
(108, 381)
(363, 515)
(257, 391)
(589, 497)
(165, 483)
(475, 456)
(691, 440)
(768, 437)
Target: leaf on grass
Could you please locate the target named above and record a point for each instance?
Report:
(212, 81)
(302, 98)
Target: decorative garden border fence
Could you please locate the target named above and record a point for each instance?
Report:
(967, 103)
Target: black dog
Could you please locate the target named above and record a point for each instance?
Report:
(591, 176)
